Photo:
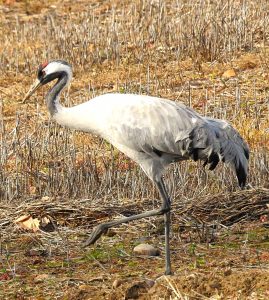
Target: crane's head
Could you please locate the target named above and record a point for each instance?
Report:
(47, 72)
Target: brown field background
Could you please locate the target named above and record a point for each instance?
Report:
(211, 55)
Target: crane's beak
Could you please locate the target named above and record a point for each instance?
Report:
(32, 89)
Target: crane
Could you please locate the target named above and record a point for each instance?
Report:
(153, 132)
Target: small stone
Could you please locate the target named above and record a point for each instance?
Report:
(146, 249)
(41, 278)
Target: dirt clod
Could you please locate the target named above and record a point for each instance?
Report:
(135, 290)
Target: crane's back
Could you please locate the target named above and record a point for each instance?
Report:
(111, 114)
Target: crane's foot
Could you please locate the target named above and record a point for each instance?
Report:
(168, 272)
(96, 234)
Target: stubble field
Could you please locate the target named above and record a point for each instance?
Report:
(211, 55)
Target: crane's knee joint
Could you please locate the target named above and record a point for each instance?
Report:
(102, 227)
(165, 209)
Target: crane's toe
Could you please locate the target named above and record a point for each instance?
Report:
(96, 234)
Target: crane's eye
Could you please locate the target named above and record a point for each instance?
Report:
(41, 74)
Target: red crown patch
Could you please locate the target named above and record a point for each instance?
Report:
(44, 65)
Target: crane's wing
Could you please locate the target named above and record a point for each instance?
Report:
(233, 149)
(169, 131)
(151, 123)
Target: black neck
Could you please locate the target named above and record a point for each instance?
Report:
(54, 93)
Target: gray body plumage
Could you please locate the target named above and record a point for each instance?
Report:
(155, 132)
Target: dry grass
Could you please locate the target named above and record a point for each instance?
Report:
(168, 49)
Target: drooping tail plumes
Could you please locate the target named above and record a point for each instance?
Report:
(217, 140)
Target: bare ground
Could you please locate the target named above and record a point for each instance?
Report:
(210, 260)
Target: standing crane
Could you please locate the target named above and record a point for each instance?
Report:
(154, 132)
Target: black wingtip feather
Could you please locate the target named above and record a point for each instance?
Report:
(213, 160)
(241, 175)
(195, 154)
(246, 152)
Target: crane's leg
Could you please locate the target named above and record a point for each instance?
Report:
(164, 210)
(167, 222)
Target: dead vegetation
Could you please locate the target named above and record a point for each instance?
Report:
(223, 239)
(212, 56)
(221, 209)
